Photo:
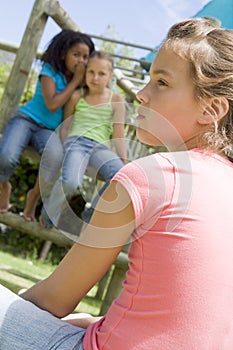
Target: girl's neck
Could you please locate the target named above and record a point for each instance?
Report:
(183, 146)
(189, 144)
(92, 92)
(198, 143)
(97, 97)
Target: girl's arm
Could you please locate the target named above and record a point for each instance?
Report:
(88, 260)
(82, 322)
(54, 100)
(68, 114)
(118, 136)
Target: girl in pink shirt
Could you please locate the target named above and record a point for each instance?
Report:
(174, 207)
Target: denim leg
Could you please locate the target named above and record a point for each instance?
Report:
(107, 163)
(17, 135)
(77, 155)
(25, 326)
(73, 169)
(49, 146)
(52, 207)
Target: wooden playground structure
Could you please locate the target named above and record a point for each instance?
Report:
(25, 55)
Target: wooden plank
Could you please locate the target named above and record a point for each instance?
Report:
(60, 16)
(33, 228)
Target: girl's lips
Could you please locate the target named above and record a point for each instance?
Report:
(141, 113)
(93, 84)
(140, 117)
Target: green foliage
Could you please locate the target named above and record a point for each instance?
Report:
(127, 52)
(23, 178)
(19, 243)
(28, 247)
(115, 48)
(5, 69)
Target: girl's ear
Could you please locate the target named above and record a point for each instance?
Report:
(110, 76)
(215, 110)
(110, 79)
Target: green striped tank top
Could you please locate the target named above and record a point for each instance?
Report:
(94, 122)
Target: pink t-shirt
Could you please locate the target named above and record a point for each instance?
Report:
(178, 293)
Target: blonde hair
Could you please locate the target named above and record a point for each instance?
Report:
(209, 50)
(103, 56)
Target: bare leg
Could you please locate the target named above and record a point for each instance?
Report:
(5, 192)
(33, 196)
(41, 222)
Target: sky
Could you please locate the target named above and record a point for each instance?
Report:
(143, 22)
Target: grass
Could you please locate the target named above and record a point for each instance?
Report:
(17, 273)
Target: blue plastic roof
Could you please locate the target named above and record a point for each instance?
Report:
(219, 9)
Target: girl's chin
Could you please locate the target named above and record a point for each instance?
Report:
(147, 138)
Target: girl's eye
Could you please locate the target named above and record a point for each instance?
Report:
(162, 82)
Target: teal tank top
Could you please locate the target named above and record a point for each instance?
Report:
(36, 108)
(94, 122)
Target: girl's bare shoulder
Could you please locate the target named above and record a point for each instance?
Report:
(117, 98)
(75, 97)
(77, 93)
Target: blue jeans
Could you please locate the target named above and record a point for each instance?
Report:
(23, 326)
(20, 132)
(79, 153)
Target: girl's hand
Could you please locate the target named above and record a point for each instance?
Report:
(80, 321)
(79, 74)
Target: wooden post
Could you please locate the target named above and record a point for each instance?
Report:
(60, 16)
(125, 84)
(115, 286)
(45, 250)
(23, 62)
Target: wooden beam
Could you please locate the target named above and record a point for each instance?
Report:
(33, 228)
(62, 239)
(23, 62)
(60, 16)
(125, 84)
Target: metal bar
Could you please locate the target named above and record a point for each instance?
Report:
(142, 72)
(122, 42)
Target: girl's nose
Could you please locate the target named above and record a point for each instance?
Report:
(82, 59)
(142, 95)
